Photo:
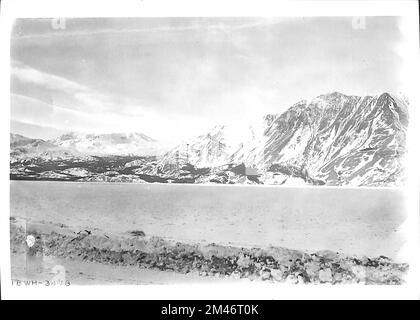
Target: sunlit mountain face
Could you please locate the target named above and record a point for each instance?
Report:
(333, 139)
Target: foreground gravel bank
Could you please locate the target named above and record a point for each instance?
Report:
(208, 260)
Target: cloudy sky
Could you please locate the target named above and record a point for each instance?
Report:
(172, 78)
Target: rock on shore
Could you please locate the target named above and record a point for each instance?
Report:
(273, 264)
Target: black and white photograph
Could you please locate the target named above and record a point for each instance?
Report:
(264, 150)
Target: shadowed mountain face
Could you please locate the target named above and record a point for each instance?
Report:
(334, 139)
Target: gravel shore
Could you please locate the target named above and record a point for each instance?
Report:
(135, 249)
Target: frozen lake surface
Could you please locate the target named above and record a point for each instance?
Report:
(360, 221)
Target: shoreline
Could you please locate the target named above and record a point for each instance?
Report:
(197, 260)
(279, 186)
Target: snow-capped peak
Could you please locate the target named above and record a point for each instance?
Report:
(110, 143)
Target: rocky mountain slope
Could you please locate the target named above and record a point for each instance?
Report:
(223, 145)
(341, 139)
(333, 139)
(24, 148)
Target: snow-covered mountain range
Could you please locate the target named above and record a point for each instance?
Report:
(110, 144)
(72, 145)
(22, 148)
(333, 139)
(223, 144)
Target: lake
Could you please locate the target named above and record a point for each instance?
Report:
(360, 221)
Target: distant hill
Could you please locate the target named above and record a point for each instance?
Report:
(22, 147)
(79, 145)
(110, 144)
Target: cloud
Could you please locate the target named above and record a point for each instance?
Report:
(91, 111)
(72, 95)
(34, 130)
(33, 112)
(31, 75)
(201, 24)
(171, 76)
